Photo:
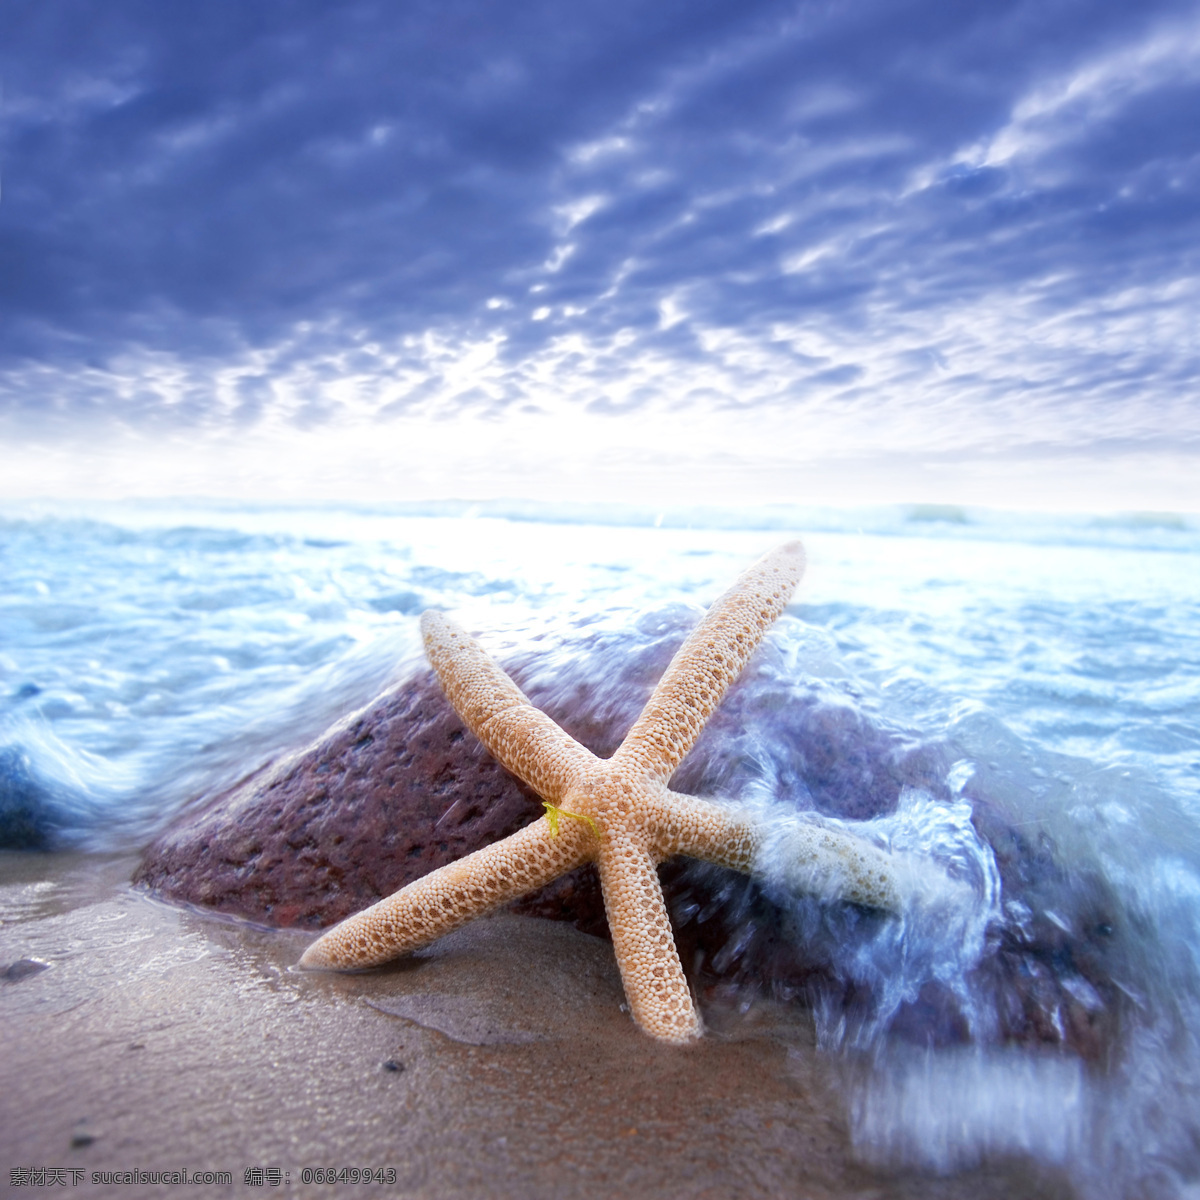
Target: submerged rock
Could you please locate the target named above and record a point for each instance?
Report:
(30, 815)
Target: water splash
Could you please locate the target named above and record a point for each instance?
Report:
(950, 896)
(949, 1110)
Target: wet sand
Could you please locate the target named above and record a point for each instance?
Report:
(498, 1063)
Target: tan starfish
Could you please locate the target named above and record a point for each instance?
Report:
(617, 812)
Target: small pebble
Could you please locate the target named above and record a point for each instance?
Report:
(22, 969)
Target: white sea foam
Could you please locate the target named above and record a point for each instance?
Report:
(951, 1109)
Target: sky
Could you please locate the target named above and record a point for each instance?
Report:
(731, 251)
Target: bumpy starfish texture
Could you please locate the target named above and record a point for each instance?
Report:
(618, 813)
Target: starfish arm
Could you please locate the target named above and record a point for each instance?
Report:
(807, 857)
(655, 987)
(701, 829)
(831, 864)
(709, 661)
(521, 737)
(453, 895)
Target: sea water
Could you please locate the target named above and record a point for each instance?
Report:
(1040, 671)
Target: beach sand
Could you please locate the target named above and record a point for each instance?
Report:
(498, 1063)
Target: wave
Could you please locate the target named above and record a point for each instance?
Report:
(203, 518)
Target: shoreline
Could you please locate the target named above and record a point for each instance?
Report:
(496, 1063)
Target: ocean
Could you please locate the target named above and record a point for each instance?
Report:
(1044, 669)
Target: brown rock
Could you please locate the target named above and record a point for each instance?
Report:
(400, 788)
(383, 798)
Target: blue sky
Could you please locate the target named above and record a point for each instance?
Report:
(733, 251)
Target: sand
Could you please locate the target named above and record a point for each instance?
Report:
(498, 1063)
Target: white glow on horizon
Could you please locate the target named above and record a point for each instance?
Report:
(590, 459)
(917, 407)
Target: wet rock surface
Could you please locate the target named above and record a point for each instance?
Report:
(401, 788)
(383, 798)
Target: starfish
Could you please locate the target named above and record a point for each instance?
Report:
(616, 812)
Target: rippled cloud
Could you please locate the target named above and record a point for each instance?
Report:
(869, 228)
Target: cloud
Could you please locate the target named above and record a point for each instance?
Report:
(895, 225)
